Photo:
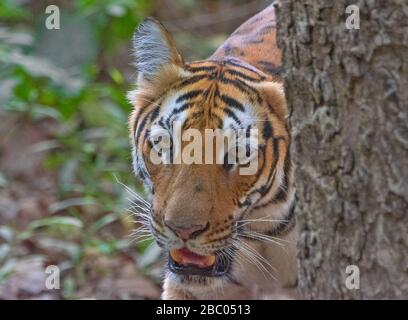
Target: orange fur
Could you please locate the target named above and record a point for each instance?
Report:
(244, 71)
(255, 43)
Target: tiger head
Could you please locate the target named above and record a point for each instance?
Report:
(199, 208)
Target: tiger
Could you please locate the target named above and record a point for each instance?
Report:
(224, 235)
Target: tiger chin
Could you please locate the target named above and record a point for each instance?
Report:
(225, 235)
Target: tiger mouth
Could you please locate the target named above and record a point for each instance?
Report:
(186, 262)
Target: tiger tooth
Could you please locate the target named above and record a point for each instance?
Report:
(210, 261)
(202, 261)
(175, 256)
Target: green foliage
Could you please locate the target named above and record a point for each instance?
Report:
(47, 77)
(10, 10)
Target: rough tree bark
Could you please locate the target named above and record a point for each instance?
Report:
(348, 94)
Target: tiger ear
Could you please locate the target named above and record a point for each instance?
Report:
(156, 57)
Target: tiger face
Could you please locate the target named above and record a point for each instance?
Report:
(200, 209)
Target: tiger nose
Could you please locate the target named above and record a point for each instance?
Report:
(189, 232)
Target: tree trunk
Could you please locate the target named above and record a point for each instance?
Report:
(348, 95)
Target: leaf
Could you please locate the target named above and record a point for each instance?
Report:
(150, 256)
(3, 180)
(4, 251)
(6, 233)
(40, 67)
(105, 220)
(67, 175)
(69, 287)
(44, 146)
(116, 76)
(54, 245)
(41, 112)
(73, 202)
(48, 222)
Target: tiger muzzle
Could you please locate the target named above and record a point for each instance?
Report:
(186, 262)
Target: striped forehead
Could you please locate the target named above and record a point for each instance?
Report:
(235, 112)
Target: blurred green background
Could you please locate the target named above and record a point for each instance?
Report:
(64, 143)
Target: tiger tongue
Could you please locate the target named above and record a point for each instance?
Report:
(185, 256)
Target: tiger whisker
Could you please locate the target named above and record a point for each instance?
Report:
(256, 253)
(139, 214)
(138, 240)
(272, 237)
(266, 238)
(254, 257)
(134, 193)
(139, 218)
(139, 205)
(262, 220)
(246, 254)
(140, 230)
(249, 222)
(137, 210)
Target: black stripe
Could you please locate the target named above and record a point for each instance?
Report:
(232, 115)
(158, 103)
(243, 87)
(270, 68)
(168, 124)
(248, 132)
(243, 75)
(272, 174)
(155, 114)
(161, 123)
(255, 91)
(202, 68)
(235, 83)
(142, 124)
(189, 95)
(232, 102)
(269, 182)
(173, 115)
(189, 81)
(181, 109)
(281, 194)
(247, 201)
(144, 176)
(267, 131)
(285, 226)
(236, 64)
